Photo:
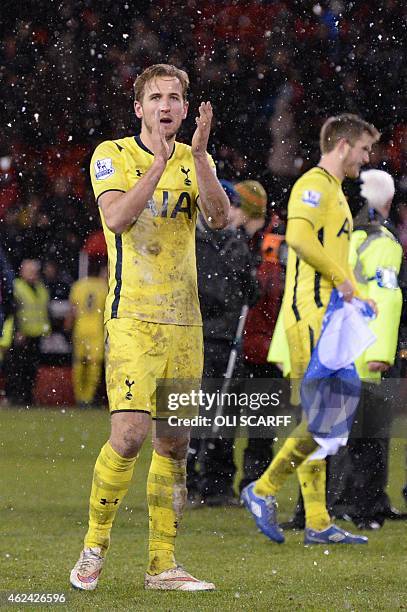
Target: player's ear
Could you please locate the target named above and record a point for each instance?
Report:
(343, 148)
(186, 106)
(138, 109)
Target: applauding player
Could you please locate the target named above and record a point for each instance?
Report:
(148, 188)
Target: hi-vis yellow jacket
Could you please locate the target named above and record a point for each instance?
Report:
(376, 256)
(31, 316)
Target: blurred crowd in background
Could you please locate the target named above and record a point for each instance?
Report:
(273, 70)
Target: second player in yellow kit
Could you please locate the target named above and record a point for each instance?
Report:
(318, 234)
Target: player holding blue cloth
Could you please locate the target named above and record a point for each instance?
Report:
(318, 234)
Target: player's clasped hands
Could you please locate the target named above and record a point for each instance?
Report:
(203, 122)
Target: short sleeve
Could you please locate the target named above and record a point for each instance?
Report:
(309, 199)
(107, 170)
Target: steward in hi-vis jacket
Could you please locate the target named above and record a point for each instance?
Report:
(376, 257)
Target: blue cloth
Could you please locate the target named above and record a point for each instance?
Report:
(330, 389)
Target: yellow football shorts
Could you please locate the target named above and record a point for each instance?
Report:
(140, 353)
(302, 338)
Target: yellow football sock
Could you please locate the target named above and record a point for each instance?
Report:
(111, 480)
(312, 477)
(289, 457)
(166, 496)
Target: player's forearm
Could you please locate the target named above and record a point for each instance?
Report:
(301, 237)
(214, 202)
(122, 210)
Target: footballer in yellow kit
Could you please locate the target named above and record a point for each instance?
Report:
(318, 234)
(148, 188)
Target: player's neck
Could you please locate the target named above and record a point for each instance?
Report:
(145, 137)
(333, 165)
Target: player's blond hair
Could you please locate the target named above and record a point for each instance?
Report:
(160, 70)
(347, 126)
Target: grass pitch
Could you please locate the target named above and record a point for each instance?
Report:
(47, 458)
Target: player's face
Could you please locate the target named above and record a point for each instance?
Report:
(165, 94)
(357, 156)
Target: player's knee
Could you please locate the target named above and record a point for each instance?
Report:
(126, 447)
(128, 434)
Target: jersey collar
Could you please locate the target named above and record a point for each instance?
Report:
(146, 149)
(329, 174)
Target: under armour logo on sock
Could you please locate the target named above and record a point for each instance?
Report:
(105, 502)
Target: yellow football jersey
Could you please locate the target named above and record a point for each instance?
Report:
(317, 197)
(152, 267)
(88, 295)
